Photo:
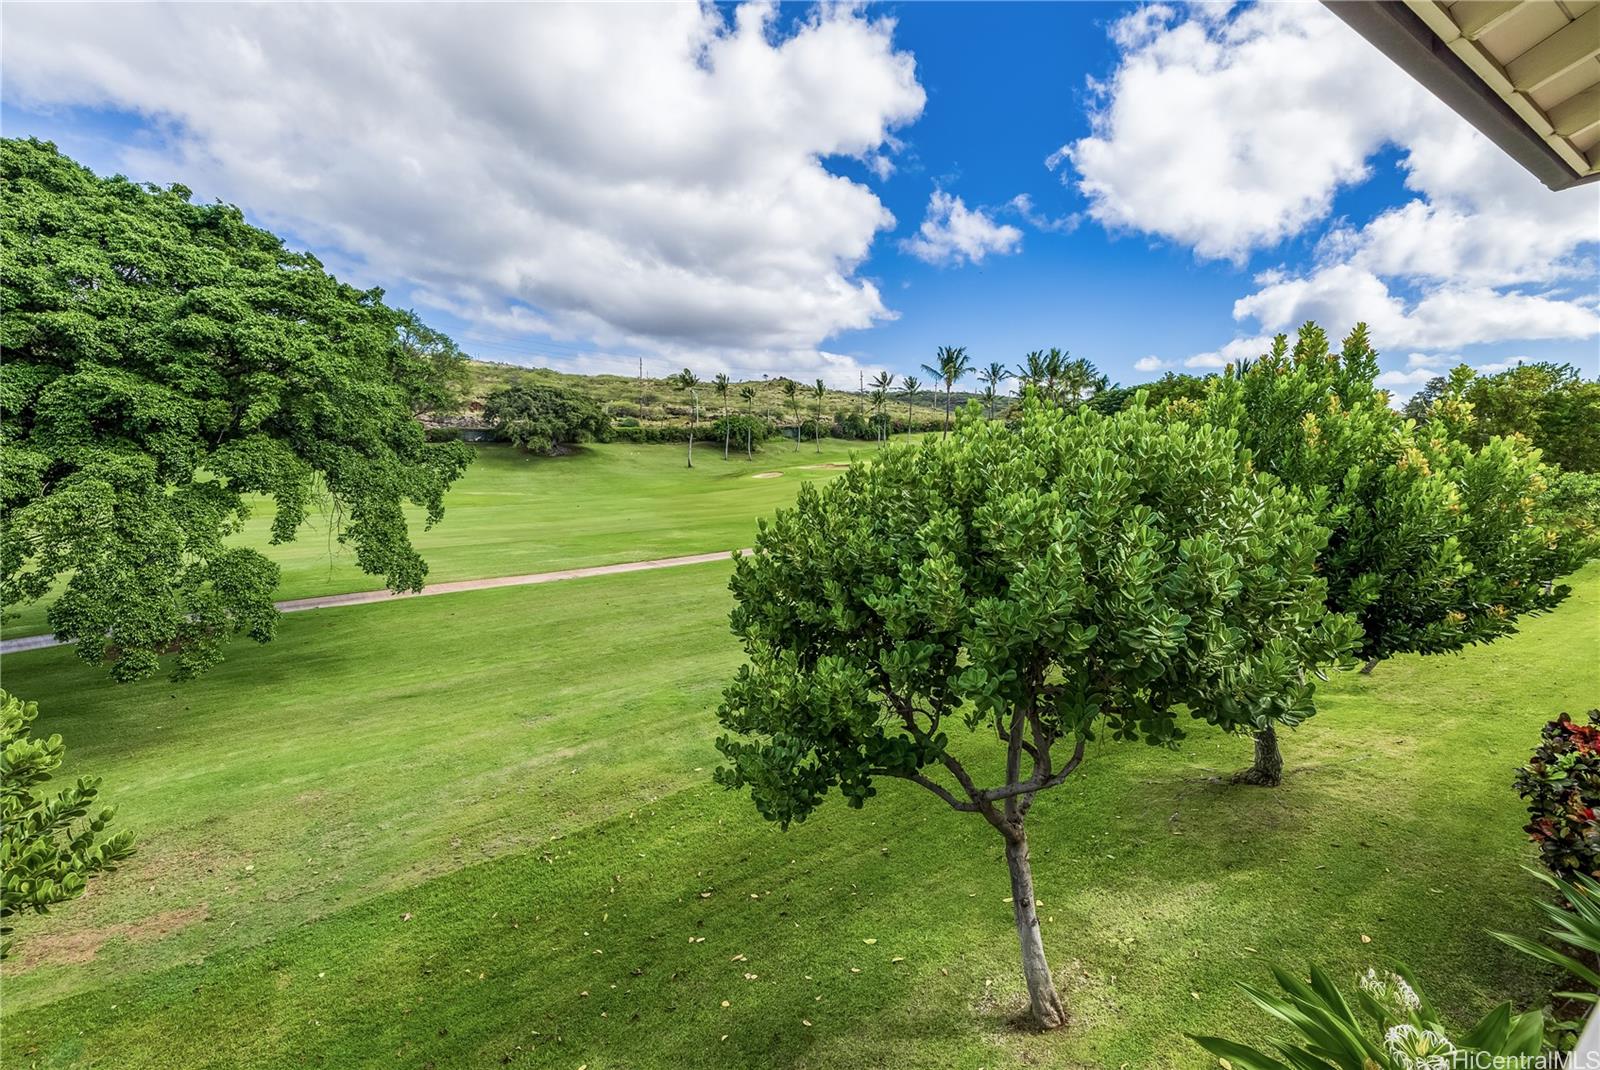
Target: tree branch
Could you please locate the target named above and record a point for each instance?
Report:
(1032, 784)
(939, 790)
(1014, 755)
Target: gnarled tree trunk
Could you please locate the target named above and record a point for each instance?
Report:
(1048, 1011)
(1267, 772)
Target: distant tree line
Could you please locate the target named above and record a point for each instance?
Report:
(1551, 405)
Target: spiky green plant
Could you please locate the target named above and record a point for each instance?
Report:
(1396, 1028)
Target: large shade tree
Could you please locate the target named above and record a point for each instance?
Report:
(969, 614)
(1436, 544)
(544, 419)
(163, 360)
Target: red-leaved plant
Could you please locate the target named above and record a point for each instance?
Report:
(1561, 783)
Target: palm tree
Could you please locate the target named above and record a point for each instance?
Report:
(909, 387)
(791, 390)
(819, 392)
(881, 385)
(992, 377)
(1031, 372)
(749, 395)
(935, 374)
(688, 380)
(954, 364)
(1081, 379)
(1055, 368)
(720, 382)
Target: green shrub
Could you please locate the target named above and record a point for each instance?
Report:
(737, 425)
(44, 859)
(655, 434)
(1561, 784)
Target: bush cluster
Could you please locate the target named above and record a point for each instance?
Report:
(1561, 784)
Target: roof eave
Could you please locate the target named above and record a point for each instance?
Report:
(1397, 32)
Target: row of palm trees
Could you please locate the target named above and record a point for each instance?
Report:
(1053, 373)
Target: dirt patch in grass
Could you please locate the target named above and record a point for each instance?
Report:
(829, 464)
(72, 948)
(766, 475)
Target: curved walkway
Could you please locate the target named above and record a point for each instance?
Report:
(361, 598)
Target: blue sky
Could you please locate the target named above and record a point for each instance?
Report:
(745, 190)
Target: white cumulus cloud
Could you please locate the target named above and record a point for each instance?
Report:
(1151, 364)
(1230, 130)
(1231, 353)
(1229, 133)
(951, 232)
(647, 176)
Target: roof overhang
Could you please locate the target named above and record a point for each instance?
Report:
(1524, 72)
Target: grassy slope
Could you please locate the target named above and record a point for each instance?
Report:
(549, 828)
(513, 513)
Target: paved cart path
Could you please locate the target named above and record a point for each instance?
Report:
(361, 598)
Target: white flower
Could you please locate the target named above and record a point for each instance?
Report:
(1391, 990)
(1418, 1049)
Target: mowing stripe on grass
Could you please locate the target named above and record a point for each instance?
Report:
(359, 598)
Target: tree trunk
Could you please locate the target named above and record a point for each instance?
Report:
(1372, 663)
(1048, 1012)
(1267, 772)
(727, 432)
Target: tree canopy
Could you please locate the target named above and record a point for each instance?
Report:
(1436, 543)
(544, 418)
(164, 360)
(1551, 405)
(1037, 585)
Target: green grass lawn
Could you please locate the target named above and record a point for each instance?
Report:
(478, 830)
(514, 513)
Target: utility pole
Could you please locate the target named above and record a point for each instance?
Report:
(641, 389)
